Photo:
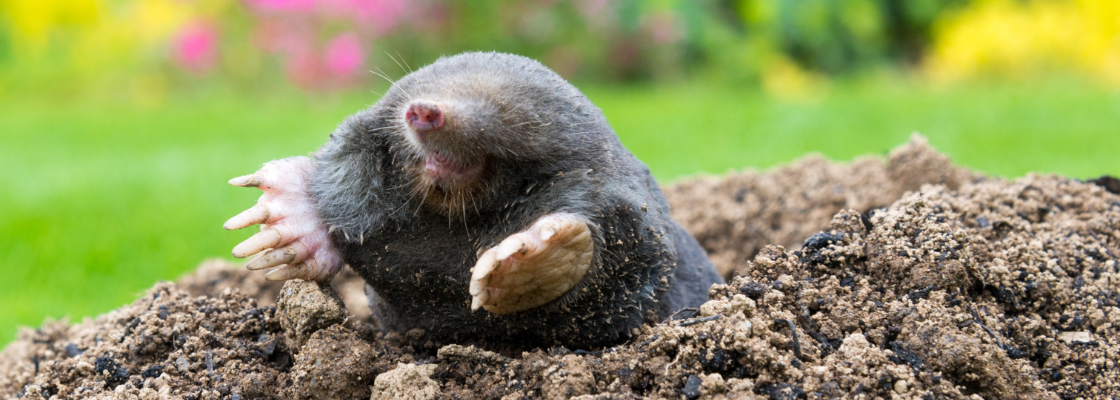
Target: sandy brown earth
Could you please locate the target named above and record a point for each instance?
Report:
(909, 278)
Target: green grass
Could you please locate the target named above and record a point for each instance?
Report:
(98, 200)
(1006, 130)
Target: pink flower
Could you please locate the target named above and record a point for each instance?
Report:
(591, 8)
(196, 47)
(303, 69)
(283, 5)
(344, 55)
(292, 30)
(662, 28)
(283, 37)
(379, 15)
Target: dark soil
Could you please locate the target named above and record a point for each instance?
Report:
(852, 280)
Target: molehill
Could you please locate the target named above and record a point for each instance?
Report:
(909, 278)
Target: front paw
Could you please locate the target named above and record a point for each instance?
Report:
(293, 241)
(533, 267)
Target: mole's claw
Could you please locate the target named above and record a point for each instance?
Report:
(547, 232)
(480, 277)
(508, 247)
(290, 254)
(266, 239)
(284, 273)
(478, 301)
(257, 214)
(251, 180)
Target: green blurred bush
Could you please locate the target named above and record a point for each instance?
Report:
(842, 36)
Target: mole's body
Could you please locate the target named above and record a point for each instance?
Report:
(486, 181)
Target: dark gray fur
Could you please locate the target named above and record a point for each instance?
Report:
(548, 149)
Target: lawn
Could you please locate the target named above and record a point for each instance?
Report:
(98, 200)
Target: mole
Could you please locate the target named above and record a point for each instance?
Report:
(483, 199)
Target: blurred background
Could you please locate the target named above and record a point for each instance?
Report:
(121, 120)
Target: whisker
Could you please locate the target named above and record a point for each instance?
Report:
(403, 184)
(404, 61)
(422, 201)
(413, 191)
(398, 62)
(473, 203)
(382, 128)
(466, 229)
(386, 76)
(386, 114)
(382, 75)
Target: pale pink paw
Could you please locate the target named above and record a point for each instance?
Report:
(533, 267)
(293, 241)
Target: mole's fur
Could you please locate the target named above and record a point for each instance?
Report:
(525, 144)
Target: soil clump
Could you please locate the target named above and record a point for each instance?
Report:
(911, 278)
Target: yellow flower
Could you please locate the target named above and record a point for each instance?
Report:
(128, 33)
(33, 21)
(1005, 37)
(91, 40)
(784, 79)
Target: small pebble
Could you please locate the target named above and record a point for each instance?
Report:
(901, 386)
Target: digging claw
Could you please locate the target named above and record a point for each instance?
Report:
(291, 254)
(266, 239)
(252, 180)
(285, 273)
(258, 214)
(480, 277)
(508, 247)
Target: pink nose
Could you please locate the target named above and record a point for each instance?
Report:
(424, 116)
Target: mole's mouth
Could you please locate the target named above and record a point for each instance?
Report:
(440, 165)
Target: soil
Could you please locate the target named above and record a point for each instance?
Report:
(910, 278)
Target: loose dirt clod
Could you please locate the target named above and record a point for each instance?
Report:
(470, 353)
(305, 307)
(406, 382)
(333, 364)
(910, 279)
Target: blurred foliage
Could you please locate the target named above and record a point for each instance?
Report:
(69, 45)
(786, 46)
(838, 36)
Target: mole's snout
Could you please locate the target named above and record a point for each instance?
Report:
(424, 116)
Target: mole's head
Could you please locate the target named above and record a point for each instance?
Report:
(477, 122)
